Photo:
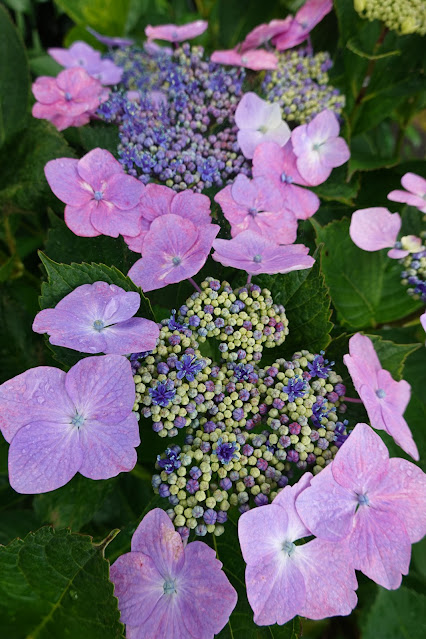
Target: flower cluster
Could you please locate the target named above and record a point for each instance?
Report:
(403, 16)
(166, 122)
(301, 86)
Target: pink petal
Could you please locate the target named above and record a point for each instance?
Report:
(248, 141)
(136, 243)
(268, 161)
(362, 362)
(259, 60)
(112, 221)
(101, 300)
(156, 200)
(136, 335)
(230, 56)
(138, 586)
(374, 228)
(269, 523)
(373, 406)
(380, 546)
(46, 91)
(37, 395)
(323, 127)
(109, 449)
(423, 321)
(44, 456)
(415, 184)
(166, 620)
(398, 428)
(102, 388)
(77, 218)
(300, 201)
(66, 183)
(156, 537)
(286, 499)
(97, 166)
(312, 168)
(398, 394)
(69, 330)
(194, 206)
(264, 32)
(174, 33)
(326, 508)
(252, 111)
(335, 152)
(396, 254)
(124, 191)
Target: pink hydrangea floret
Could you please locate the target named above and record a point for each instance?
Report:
(100, 198)
(254, 253)
(80, 54)
(261, 34)
(255, 205)
(166, 589)
(308, 16)
(98, 318)
(254, 59)
(374, 228)
(385, 399)
(175, 33)
(415, 193)
(375, 505)
(259, 121)
(284, 579)
(60, 423)
(70, 99)
(318, 147)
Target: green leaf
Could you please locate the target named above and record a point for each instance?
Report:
(241, 625)
(356, 46)
(397, 614)
(55, 584)
(106, 16)
(72, 505)
(306, 299)
(16, 523)
(14, 79)
(64, 278)
(392, 356)
(365, 287)
(338, 189)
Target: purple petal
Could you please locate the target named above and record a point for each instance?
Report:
(166, 620)
(66, 183)
(268, 523)
(77, 218)
(37, 395)
(69, 330)
(124, 191)
(156, 537)
(374, 228)
(136, 335)
(112, 221)
(97, 166)
(44, 456)
(194, 206)
(156, 200)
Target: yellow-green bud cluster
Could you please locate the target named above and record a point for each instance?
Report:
(403, 16)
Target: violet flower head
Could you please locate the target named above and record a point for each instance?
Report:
(257, 205)
(100, 198)
(166, 590)
(175, 33)
(256, 254)
(414, 194)
(174, 250)
(261, 34)
(374, 228)
(70, 99)
(98, 318)
(188, 367)
(60, 423)
(159, 200)
(319, 148)
(375, 505)
(295, 387)
(254, 59)
(320, 367)
(385, 400)
(278, 165)
(163, 393)
(308, 16)
(284, 579)
(259, 121)
(225, 451)
(170, 462)
(81, 54)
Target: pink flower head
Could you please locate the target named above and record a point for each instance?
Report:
(82, 55)
(415, 193)
(375, 504)
(60, 423)
(254, 59)
(278, 165)
(166, 590)
(256, 254)
(318, 147)
(100, 198)
(174, 33)
(264, 32)
(284, 579)
(255, 205)
(110, 41)
(174, 249)
(385, 399)
(374, 228)
(259, 121)
(308, 16)
(69, 99)
(98, 318)
(159, 200)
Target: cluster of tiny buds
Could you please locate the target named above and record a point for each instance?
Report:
(414, 274)
(403, 16)
(301, 86)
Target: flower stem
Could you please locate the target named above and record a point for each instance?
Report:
(352, 399)
(249, 278)
(194, 284)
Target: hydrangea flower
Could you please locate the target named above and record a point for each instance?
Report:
(259, 121)
(188, 367)
(100, 198)
(80, 54)
(167, 590)
(308, 16)
(256, 205)
(70, 99)
(174, 250)
(256, 254)
(254, 59)
(319, 148)
(385, 399)
(98, 318)
(60, 423)
(376, 505)
(159, 200)
(374, 228)
(261, 34)
(174, 33)
(284, 579)
(415, 193)
(278, 164)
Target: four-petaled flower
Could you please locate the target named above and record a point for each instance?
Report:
(415, 193)
(80, 54)
(188, 367)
